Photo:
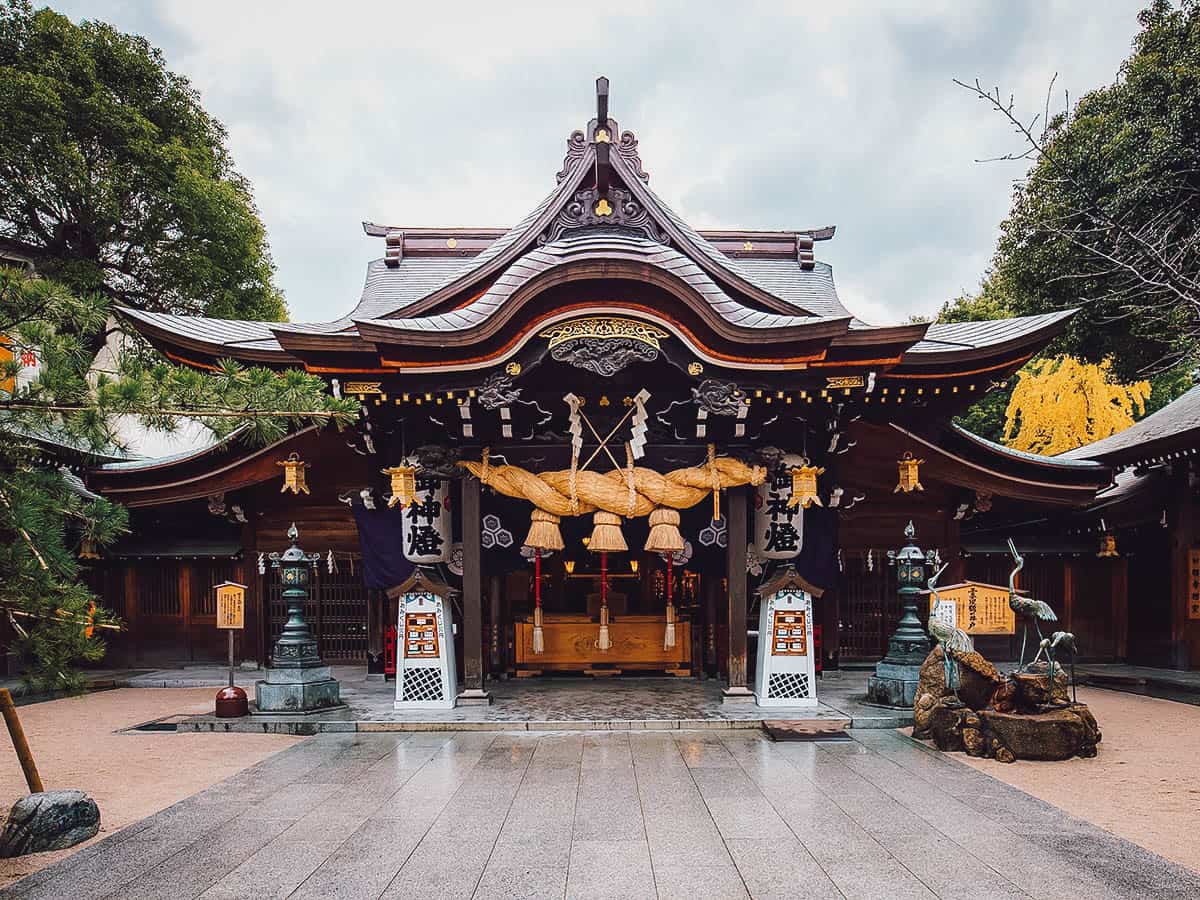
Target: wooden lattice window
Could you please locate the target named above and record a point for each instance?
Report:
(205, 574)
(158, 588)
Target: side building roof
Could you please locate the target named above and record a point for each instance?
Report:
(1174, 429)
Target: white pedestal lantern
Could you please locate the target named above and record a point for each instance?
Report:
(425, 675)
(786, 673)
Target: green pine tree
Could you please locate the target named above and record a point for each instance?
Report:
(45, 517)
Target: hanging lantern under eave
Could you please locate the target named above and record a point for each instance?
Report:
(293, 474)
(404, 485)
(910, 474)
(804, 485)
(87, 549)
(1108, 546)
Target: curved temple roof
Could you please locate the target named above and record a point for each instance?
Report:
(1173, 429)
(442, 289)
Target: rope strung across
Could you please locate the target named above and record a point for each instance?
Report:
(554, 492)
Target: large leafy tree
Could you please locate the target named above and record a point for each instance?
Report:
(1060, 403)
(45, 516)
(113, 178)
(1108, 217)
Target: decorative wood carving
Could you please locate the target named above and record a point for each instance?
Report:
(604, 345)
(627, 148)
(603, 356)
(718, 398)
(496, 391)
(576, 146)
(617, 210)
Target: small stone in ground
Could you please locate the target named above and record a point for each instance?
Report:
(52, 820)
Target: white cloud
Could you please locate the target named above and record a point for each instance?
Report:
(748, 116)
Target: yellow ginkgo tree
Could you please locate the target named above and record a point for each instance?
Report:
(1061, 403)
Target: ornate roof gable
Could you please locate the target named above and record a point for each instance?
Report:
(603, 187)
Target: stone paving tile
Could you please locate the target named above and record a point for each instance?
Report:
(610, 870)
(274, 871)
(522, 882)
(365, 864)
(610, 814)
(689, 882)
(780, 870)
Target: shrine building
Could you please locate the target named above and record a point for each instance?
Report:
(605, 430)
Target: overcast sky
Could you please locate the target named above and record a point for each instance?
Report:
(839, 113)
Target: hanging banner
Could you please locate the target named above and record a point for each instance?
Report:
(778, 527)
(427, 522)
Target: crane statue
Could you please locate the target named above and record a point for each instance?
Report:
(953, 639)
(1060, 641)
(1027, 608)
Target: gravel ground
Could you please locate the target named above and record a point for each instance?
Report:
(76, 745)
(1144, 785)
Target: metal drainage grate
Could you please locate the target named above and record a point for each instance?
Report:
(166, 723)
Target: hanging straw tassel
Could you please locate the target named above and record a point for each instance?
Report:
(604, 641)
(543, 531)
(606, 533)
(669, 634)
(664, 534)
(539, 638)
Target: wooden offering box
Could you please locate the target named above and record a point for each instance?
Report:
(637, 644)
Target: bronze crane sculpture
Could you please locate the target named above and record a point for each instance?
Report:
(1059, 641)
(953, 639)
(1027, 608)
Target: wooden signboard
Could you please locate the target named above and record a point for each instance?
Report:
(1194, 584)
(976, 608)
(790, 636)
(231, 605)
(420, 636)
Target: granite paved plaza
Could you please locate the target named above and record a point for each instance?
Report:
(609, 814)
(577, 703)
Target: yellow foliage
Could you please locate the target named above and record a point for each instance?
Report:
(1061, 403)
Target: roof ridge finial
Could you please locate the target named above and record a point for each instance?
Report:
(602, 101)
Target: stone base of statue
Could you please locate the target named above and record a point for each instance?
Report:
(298, 681)
(307, 690)
(1022, 716)
(893, 684)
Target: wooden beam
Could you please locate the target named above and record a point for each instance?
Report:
(472, 599)
(735, 570)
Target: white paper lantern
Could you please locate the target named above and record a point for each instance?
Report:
(427, 527)
(778, 527)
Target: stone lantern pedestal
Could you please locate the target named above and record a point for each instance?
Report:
(298, 681)
(895, 680)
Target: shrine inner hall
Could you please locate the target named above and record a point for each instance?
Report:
(600, 443)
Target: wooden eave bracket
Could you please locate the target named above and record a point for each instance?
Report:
(394, 252)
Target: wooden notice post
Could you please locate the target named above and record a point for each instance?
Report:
(231, 616)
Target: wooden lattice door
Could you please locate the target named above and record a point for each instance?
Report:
(868, 607)
(336, 611)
